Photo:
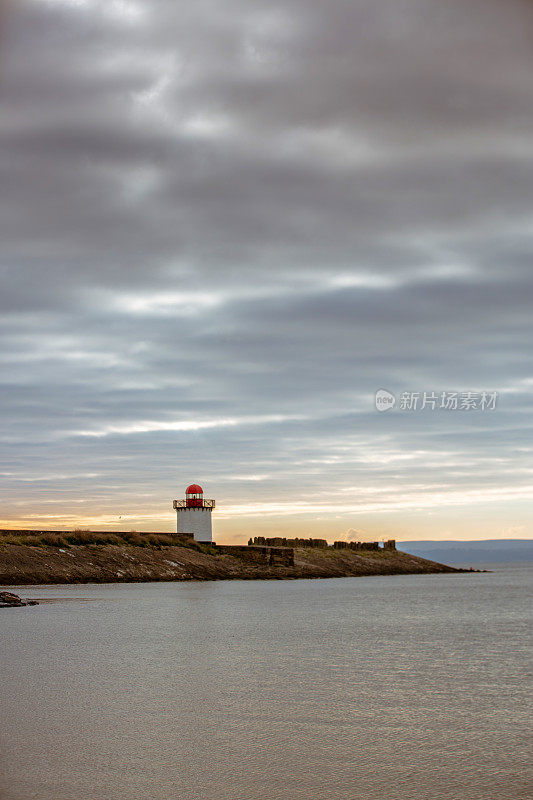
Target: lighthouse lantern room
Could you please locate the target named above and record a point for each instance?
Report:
(194, 514)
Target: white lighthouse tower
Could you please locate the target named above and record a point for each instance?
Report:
(194, 514)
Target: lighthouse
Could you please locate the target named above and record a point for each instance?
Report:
(194, 514)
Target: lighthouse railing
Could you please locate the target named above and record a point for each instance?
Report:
(197, 504)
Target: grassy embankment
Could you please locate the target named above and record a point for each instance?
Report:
(81, 556)
(83, 537)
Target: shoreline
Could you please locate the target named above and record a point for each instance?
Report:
(78, 564)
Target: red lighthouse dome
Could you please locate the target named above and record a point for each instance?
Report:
(194, 495)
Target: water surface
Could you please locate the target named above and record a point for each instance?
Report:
(377, 688)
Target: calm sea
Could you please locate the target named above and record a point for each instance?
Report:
(377, 688)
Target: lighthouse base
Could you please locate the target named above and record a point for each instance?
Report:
(195, 522)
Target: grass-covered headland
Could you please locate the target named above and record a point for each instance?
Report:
(83, 556)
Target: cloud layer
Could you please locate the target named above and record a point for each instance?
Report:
(224, 227)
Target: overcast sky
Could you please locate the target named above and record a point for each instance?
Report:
(225, 225)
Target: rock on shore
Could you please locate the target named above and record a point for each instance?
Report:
(10, 600)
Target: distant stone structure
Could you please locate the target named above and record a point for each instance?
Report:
(278, 541)
(390, 544)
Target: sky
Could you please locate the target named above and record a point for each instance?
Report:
(225, 226)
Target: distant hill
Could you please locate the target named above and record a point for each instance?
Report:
(486, 551)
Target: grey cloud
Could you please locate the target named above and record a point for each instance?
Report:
(348, 182)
